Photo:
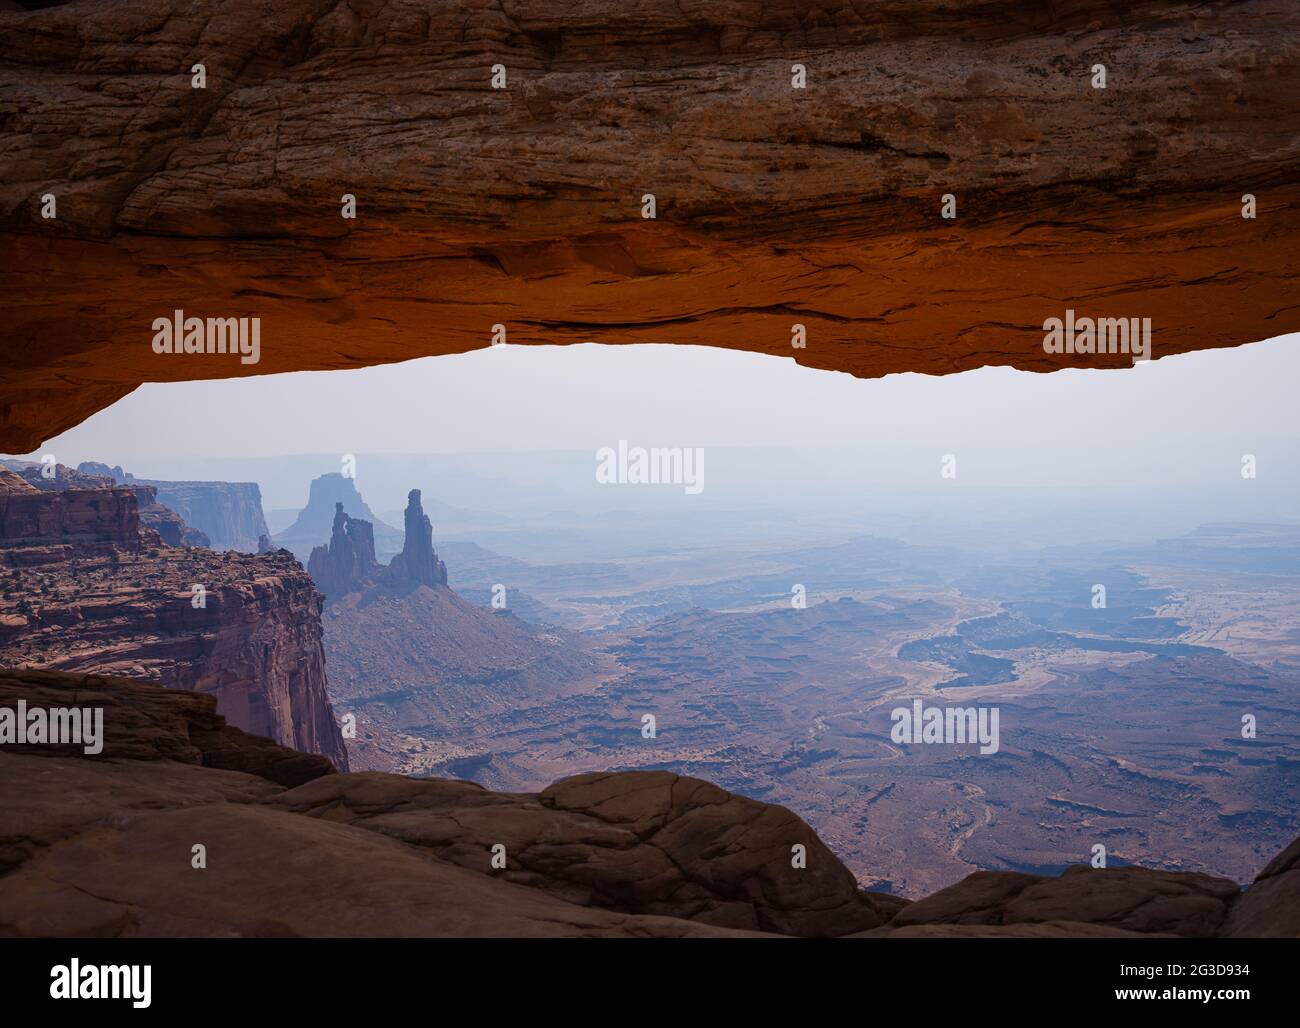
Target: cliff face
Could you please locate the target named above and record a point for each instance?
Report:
(221, 515)
(169, 525)
(58, 520)
(87, 589)
(228, 513)
(523, 206)
(621, 854)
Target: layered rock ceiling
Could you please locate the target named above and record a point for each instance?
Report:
(94, 846)
(522, 206)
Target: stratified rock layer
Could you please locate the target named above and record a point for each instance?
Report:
(170, 526)
(144, 722)
(522, 206)
(90, 519)
(101, 846)
(229, 513)
(87, 589)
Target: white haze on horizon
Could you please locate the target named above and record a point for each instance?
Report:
(1175, 426)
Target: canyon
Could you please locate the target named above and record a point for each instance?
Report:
(89, 588)
(1117, 726)
(935, 186)
(521, 207)
(414, 662)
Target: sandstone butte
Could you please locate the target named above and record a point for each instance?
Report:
(522, 206)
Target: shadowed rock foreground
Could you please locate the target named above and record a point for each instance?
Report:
(102, 846)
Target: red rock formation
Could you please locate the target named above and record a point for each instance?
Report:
(347, 562)
(143, 722)
(87, 589)
(315, 523)
(169, 525)
(417, 564)
(523, 206)
(93, 519)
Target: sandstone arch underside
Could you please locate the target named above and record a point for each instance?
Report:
(522, 206)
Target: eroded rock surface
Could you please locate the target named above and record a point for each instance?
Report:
(1271, 906)
(523, 206)
(1131, 899)
(638, 842)
(103, 846)
(347, 562)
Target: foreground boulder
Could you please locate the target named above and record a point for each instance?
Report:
(1271, 906)
(646, 842)
(1130, 899)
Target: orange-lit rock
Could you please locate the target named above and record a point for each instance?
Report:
(522, 206)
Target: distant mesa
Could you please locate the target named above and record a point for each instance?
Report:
(315, 522)
(228, 514)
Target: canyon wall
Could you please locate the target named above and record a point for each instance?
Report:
(523, 206)
(58, 520)
(169, 525)
(85, 588)
(229, 513)
(221, 515)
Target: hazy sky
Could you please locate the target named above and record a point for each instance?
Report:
(578, 397)
(1139, 452)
